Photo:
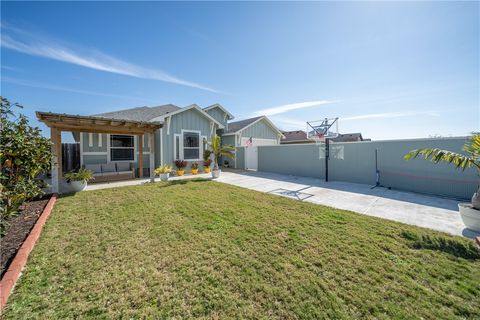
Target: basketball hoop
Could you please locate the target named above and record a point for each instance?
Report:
(320, 130)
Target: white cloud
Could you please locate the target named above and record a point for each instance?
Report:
(390, 115)
(93, 59)
(292, 106)
(60, 88)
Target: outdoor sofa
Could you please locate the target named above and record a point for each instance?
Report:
(112, 171)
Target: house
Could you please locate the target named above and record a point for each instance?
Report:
(181, 136)
(349, 137)
(294, 137)
(257, 131)
(299, 136)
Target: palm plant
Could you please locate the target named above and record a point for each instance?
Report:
(461, 161)
(215, 147)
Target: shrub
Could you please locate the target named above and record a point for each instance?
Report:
(207, 163)
(194, 166)
(24, 155)
(163, 169)
(180, 164)
(206, 154)
(82, 175)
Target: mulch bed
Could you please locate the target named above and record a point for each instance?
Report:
(19, 227)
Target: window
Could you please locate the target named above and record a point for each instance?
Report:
(122, 148)
(191, 145)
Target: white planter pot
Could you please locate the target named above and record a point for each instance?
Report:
(216, 173)
(470, 216)
(164, 176)
(78, 186)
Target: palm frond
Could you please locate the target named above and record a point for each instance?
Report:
(472, 159)
(438, 155)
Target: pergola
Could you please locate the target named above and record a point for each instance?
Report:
(74, 123)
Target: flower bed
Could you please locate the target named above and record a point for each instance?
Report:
(19, 227)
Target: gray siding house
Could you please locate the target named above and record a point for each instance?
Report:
(181, 137)
(258, 131)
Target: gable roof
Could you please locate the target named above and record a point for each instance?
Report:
(180, 110)
(297, 135)
(237, 126)
(217, 105)
(348, 137)
(139, 113)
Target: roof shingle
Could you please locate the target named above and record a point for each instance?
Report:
(238, 125)
(139, 113)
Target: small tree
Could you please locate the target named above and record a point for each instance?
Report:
(24, 154)
(471, 159)
(218, 150)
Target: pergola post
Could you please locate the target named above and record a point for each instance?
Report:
(140, 155)
(151, 138)
(55, 137)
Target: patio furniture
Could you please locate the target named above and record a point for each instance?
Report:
(112, 171)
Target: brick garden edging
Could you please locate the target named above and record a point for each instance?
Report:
(15, 269)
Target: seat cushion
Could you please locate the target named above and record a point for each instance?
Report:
(106, 174)
(109, 167)
(123, 166)
(125, 172)
(95, 168)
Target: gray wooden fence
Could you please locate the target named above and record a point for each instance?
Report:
(70, 157)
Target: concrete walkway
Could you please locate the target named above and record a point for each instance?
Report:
(421, 210)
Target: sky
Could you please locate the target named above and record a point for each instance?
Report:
(389, 70)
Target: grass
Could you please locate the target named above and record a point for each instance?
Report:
(202, 249)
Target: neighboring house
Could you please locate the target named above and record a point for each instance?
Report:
(258, 131)
(181, 137)
(294, 137)
(349, 137)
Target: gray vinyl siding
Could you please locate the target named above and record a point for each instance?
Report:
(94, 147)
(188, 120)
(103, 148)
(260, 130)
(94, 159)
(103, 158)
(218, 115)
(228, 140)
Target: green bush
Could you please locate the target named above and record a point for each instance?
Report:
(80, 175)
(24, 154)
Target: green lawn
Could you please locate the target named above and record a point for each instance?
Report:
(205, 249)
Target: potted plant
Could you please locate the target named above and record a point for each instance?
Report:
(216, 148)
(206, 165)
(180, 164)
(163, 172)
(469, 212)
(78, 180)
(226, 163)
(194, 167)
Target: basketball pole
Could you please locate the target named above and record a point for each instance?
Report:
(327, 156)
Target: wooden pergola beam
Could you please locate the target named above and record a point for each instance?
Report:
(75, 123)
